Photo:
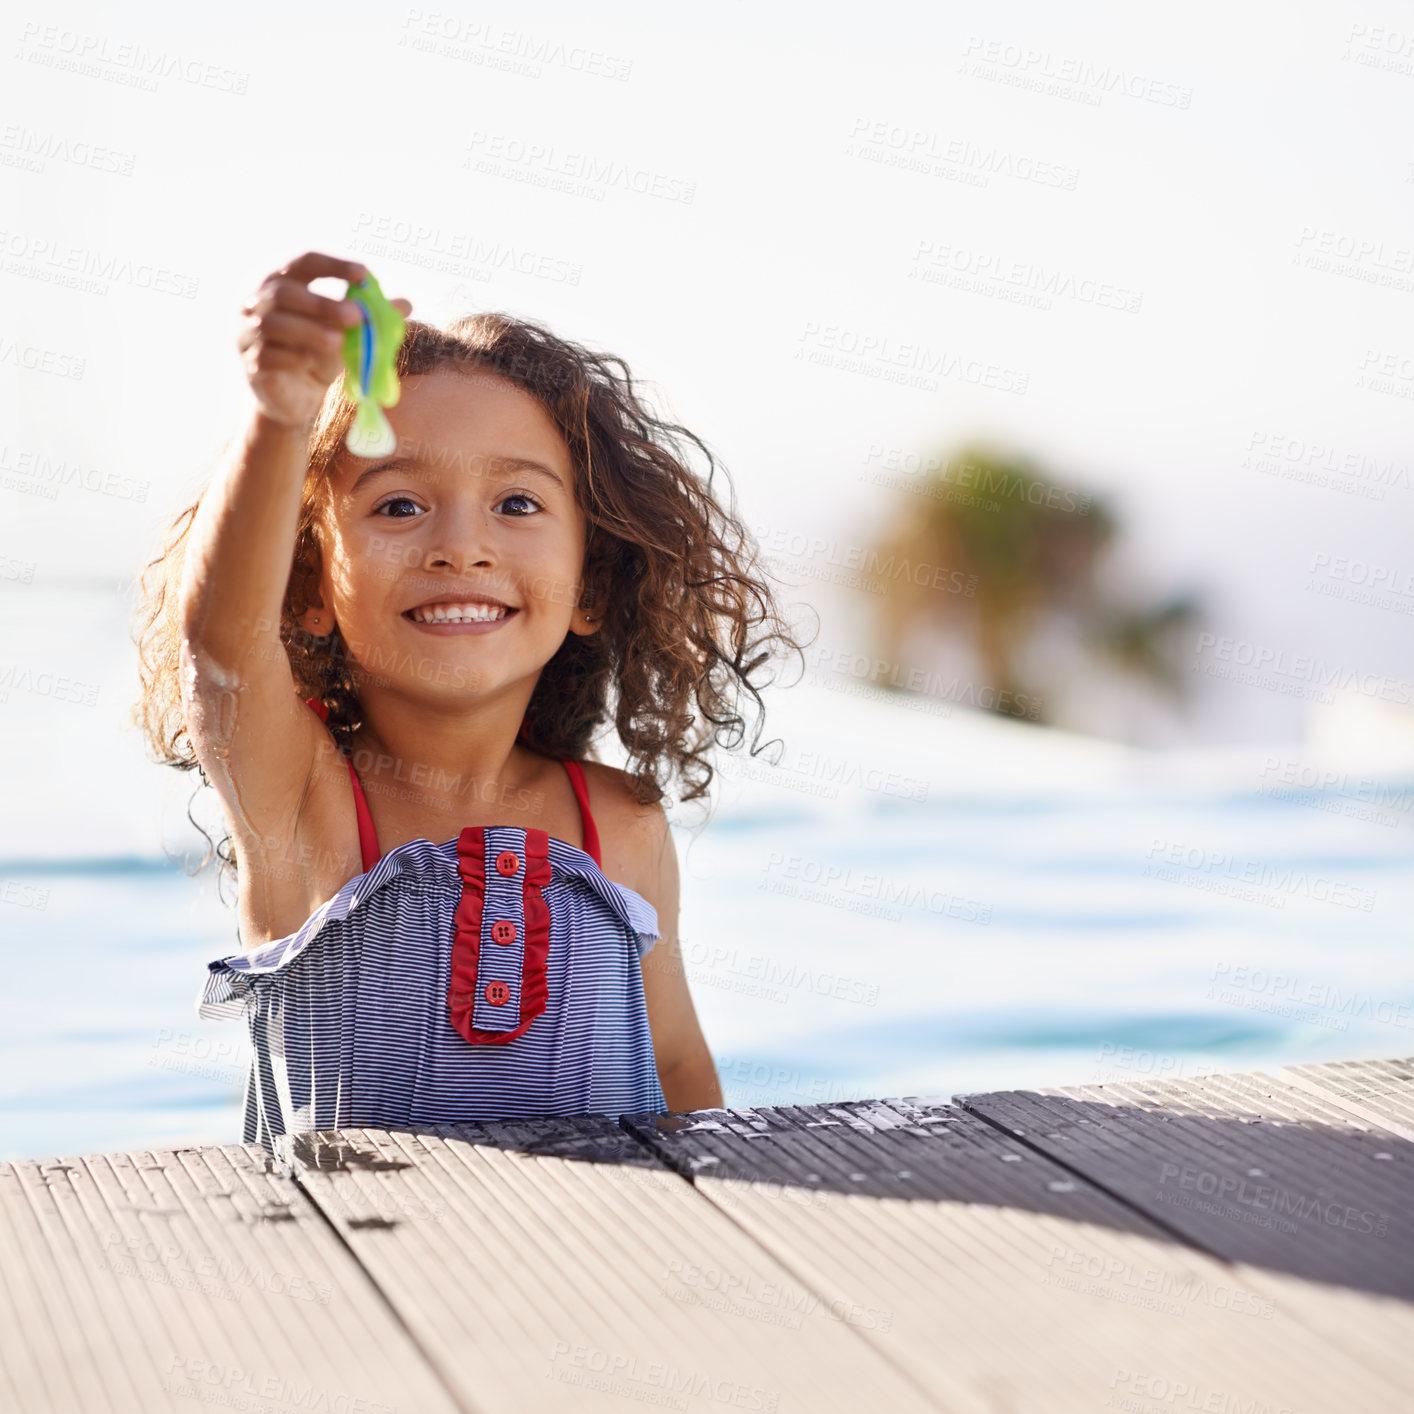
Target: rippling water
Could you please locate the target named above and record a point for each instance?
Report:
(909, 903)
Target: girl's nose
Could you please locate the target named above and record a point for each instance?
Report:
(458, 563)
(461, 540)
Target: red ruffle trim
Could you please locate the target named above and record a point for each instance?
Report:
(467, 940)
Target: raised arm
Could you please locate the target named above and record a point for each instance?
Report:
(254, 738)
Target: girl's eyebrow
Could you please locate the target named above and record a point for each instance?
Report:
(503, 466)
(369, 473)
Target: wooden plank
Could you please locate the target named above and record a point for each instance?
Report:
(1312, 1205)
(555, 1263)
(166, 1280)
(1244, 1165)
(1378, 1090)
(999, 1278)
(1017, 1255)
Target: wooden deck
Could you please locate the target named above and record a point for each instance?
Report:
(1241, 1242)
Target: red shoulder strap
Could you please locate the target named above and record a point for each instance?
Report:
(367, 835)
(581, 793)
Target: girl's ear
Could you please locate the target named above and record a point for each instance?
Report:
(587, 615)
(314, 618)
(584, 624)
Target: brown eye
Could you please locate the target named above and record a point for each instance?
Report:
(395, 501)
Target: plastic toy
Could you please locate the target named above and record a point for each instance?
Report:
(370, 369)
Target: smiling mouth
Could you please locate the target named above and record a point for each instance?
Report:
(470, 613)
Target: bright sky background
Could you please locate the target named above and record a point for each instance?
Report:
(1294, 141)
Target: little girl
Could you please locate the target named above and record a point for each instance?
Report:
(391, 671)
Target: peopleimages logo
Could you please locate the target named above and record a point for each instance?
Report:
(1065, 75)
(1291, 994)
(1296, 674)
(871, 568)
(1270, 1199)
(917, 149)
(96, 56)
(986, 478)
(1222, 872)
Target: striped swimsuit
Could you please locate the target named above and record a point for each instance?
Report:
(496, 976)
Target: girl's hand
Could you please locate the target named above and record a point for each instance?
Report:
(291, 339)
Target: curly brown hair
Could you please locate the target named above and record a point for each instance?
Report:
(687, 619)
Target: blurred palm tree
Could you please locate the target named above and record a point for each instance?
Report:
(1032, 549)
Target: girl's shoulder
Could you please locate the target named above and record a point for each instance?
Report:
(631, 835)
(612, 794)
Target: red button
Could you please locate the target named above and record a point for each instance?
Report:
(503, 930)
(497, 993)
(507, 862)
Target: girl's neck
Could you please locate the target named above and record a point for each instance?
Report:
(452, 759)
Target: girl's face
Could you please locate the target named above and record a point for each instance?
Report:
(477, 501)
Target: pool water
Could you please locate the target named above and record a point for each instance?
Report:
(909, 901)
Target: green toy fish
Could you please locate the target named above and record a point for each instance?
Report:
(370, 369)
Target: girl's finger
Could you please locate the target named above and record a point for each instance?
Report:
(294, 297)
(312, 264)
(294, 331)
(276, 358)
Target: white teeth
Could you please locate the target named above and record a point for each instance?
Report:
(458, 613)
